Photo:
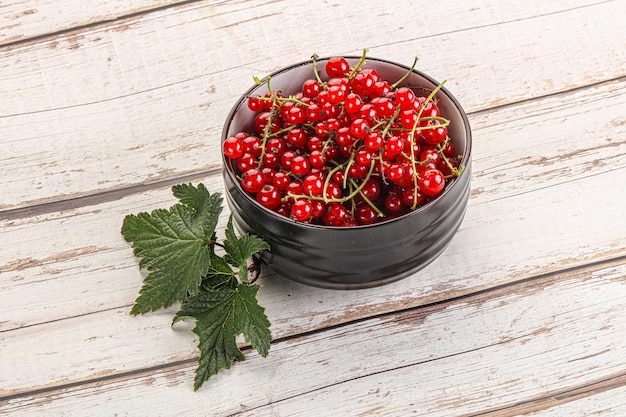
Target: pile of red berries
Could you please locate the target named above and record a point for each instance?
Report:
(353, 149)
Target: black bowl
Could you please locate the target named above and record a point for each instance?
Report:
(359, 256)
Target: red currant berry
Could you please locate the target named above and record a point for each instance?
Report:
(286, 159)
(407, 179)
(362, 83)
(345, 151)
(430, 110)
(333, 191)
(332, 124)
(233, 147)
(322, 97)
(336, 93)
(394, 172)
(331, 152)
(313, 185)
(285, 107)
(302, 210)
(297, 137)
(405, 97)
(337, 177)
(407, 147)
(371, 189)
(317, 159)
(353, 103)
(445, 169)
(373, 141)
(284, 209)
(314, 144)
(358, 171)
(313, 113)
(343, 82)
(260, 122)
(321, 130)
(319, 207)
(311, 88)
(275, 146)
(337, 67)
(381, 88)
(300, 165)
(365, 215)
(394, 145)
(435, 136)
(368, 112)
(384, 107)
(335, 215)
(359, 128)
(343, 136)
(449, 150)
(256, 104)
(412, 197)
(408, 118)
(432, 182)
(252, 181)
(430, 155)
(268, 197)
(281, 181)
(294, 189)
(372, 73)
(246, 162)
(268, 174)
(363, 157)
(295, 116)
(394, 205)
(253, 145)
(330, 110)
(271, 160)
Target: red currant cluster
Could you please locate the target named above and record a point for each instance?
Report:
(351, 150)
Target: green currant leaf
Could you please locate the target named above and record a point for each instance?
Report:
(221, 315)
(173, 245)
(219, 274)
(239, 250)
(206, 205)
(251, 317)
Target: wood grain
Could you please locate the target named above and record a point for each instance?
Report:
(22, 21)
(101, 110)
(104, 108)
(292, 308)
(464, 356)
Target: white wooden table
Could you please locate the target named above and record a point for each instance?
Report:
(105, 105)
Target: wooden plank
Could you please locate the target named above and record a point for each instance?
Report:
(113, 107)
(506, 164)
(503, 235)
(22, 20)
(465, 356)
(611, 403)
(606, 397)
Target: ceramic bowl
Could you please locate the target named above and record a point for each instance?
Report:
(360, 256)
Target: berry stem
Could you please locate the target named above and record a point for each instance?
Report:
(412, 142)
(368, 201)
(401, 80)
(314, 58)
(358, 66)
(455, 171)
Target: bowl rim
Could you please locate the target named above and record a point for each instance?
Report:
(466, 156)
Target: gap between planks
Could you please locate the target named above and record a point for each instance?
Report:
(556, 398)
(95, 24)
(71, 203)
(522, 286)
